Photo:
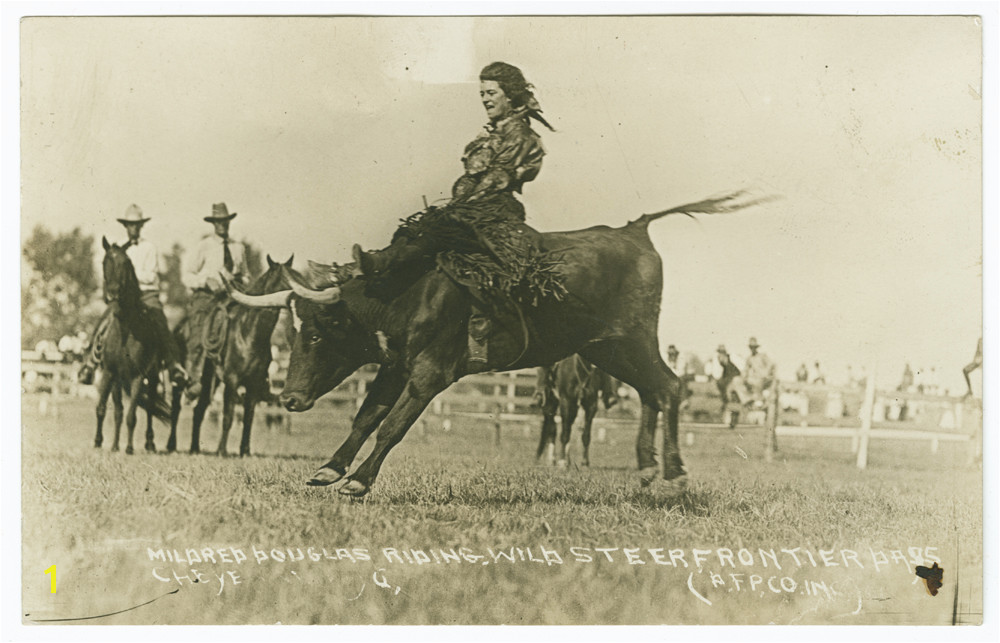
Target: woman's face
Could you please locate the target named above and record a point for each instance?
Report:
(494, 100)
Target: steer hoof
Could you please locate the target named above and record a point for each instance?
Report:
(647, 475)
(354, 489)
(323, 477)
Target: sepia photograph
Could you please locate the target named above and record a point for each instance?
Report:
(567, 319)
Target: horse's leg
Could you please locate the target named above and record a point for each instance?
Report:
(177, 393)
(116, 398)
(103, 389)
(228, 406)
(152, 395)
(589, 404)
(135, 388)
(426, 381)
(640, 366)
(384, 391)
(567, 411)
(200, 406)
(548, 433)
(249, 408)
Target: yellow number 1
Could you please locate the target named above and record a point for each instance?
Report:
(52, 570)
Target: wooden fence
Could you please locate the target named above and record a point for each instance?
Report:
(801, 410)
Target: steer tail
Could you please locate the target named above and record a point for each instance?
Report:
(731, 202)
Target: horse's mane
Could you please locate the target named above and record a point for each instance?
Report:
(129, 280)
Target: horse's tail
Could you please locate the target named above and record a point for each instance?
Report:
(160, 410)
(724, 204)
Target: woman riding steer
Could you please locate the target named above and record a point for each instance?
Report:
(498, 162)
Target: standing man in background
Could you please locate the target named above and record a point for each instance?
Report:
(758, 373)
(217, 257)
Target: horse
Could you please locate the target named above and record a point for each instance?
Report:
(572, 383)
(245, 357)
(131, 356)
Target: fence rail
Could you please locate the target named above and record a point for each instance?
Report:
(805, 410)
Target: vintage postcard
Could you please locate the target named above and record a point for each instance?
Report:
(502, 320)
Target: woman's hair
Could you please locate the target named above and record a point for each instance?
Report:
(515, 87)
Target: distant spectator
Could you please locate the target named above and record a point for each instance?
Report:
(802, 375)
(725, 373)
(758, 374)
(817, 376)
(681, 369)
(907, 382)
(977, 362)
(673, 360)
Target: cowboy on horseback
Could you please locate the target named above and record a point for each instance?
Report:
(146, 260)
(217, 257)
(505, 155)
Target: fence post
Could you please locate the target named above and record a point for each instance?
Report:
(867, 408)
(498, 411)
(773, 410)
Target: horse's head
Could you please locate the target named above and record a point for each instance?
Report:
(329, 343)
(272, 281)
(119, 275)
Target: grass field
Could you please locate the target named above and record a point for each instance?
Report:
(106, 519)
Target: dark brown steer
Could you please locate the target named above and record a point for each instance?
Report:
(614, 280)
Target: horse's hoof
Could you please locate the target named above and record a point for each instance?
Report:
(97, 444)
(129, 450)
(195, 451)
(150, 448)
(353, 488)
(244, 453)
(222, 453)
(562, 464)
(586, 463)
(323, 477)
(647, 475)
(114, 448)
(677, 486)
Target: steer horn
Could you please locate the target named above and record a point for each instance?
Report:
(329, 295)
(271, 300)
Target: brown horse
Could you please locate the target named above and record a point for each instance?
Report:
(571, 384)
(131, 355)
(242, 369)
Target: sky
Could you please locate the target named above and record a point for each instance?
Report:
(323, 132)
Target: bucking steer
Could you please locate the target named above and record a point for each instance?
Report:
(609, 315)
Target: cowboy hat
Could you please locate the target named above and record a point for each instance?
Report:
(133, 214)
(220, 213)
(722, 349)
(672, 349)
(753, 342)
